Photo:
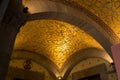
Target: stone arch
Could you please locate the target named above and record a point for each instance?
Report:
(82, 24)
(105, 34)
(74, 15)
(82, 55)
(40, 59)
(68, 65)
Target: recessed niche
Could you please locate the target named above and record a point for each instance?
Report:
(94, 77)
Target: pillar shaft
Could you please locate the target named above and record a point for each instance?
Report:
(7, 38)
(3, 7)
(9, 27)
(116, 57)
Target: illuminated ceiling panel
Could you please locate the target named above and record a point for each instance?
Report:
(106, 10)
(54, 39)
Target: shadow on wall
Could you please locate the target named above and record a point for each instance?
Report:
(20, 74)
(95, 73)
(1, 2)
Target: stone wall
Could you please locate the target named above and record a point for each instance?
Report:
(91, 63)
(17, 65)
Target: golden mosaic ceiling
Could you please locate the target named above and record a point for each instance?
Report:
(106, 10)
(54, 39)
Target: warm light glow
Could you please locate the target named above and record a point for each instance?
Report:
(54, 39)
(36, 6)
(107, 10)
(59, 77)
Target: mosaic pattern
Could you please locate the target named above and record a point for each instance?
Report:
(106, 10)
(54, 39)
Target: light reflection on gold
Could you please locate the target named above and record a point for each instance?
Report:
(106, 10)
(54, 39)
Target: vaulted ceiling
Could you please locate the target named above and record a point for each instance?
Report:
(54, 39)
(107, 10)
(58, 39)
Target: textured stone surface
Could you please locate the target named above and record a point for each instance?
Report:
(35, 68)
(54, 39)
(91, 62)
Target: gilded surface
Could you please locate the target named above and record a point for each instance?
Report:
(54, 39)
(106, 10)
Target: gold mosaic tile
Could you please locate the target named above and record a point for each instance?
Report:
(106, 10)
(54, 39)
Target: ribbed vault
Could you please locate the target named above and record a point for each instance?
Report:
(57, 29)
(79, 56)
(59, 34)
(64, 32)
(55, 40)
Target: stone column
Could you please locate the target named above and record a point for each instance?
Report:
(7, 38)
(3, 7)
(116, 57)
(12, 21)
